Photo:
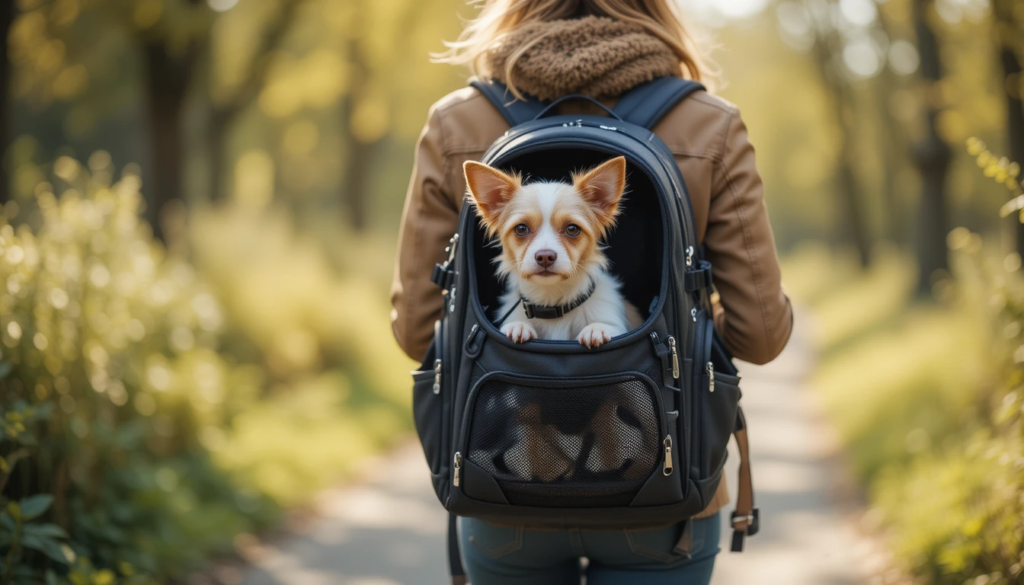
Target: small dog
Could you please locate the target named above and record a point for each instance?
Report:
(550, 234)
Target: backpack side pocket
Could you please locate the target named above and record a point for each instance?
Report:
(721, 388)
(426, 408)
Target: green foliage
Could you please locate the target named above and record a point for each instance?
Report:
(112, 377)
(152, 407)
(930, 406)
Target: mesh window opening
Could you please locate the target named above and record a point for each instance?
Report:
(577, 447)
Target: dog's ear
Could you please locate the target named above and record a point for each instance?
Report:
(602, 188)
(490, 189)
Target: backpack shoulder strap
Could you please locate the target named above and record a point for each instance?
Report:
(515, 111)
(647, 103)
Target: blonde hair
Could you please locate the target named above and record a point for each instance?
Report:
(498, 18)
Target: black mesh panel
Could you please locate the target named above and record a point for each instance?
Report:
(579, 447)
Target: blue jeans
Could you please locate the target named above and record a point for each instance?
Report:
(498, 555)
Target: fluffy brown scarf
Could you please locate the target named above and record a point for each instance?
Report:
(596, 56)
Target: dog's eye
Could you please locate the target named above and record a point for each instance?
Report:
(572, 230)
(522, 230)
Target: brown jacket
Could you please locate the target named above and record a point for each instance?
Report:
(710, 144)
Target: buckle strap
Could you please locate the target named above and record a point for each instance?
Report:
(443, 275)
(537, 311)
(698, 277)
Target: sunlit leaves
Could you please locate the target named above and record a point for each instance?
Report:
(1002, 171)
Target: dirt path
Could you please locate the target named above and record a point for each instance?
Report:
(389, 529)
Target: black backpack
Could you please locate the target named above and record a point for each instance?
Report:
(550, 434)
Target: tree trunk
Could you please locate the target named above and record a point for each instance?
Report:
(892, 149)
(167, 81)
(1014, 114)
(360, 155)
(933, 157)
(7, 14)
(1014, 125)
(216, 139)
(853, 223)
(222, 117)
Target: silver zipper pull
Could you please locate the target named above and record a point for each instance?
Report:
(711, 376)
(458, 466)
(452, 244)
(689, 255)
(675, 358)
(693, 314)
(667, 469)
(437, 376)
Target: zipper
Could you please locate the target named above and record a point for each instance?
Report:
(672, 351)
(437, 376)
(703, 340)
(458, 468)
(666, 469)
(675, 357)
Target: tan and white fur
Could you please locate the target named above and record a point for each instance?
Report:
(550, 235)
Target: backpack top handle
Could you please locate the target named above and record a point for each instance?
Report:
(581, 97)
(644, 105)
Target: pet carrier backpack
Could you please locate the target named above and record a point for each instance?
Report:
(550, 434)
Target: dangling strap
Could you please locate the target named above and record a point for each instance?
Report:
(647, 103)
(515, 111)
(745, 518)
(454, 557)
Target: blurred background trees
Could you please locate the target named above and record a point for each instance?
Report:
(268, 144)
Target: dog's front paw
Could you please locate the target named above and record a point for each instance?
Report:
(595, 335)
(519, 332)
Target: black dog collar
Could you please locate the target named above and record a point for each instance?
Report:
(534, 310)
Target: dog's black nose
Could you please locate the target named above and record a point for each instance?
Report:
(546, 258)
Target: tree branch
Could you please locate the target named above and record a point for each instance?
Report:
(250, 87)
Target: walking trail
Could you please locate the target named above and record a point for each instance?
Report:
(389, 529)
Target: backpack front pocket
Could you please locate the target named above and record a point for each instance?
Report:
(574, 443)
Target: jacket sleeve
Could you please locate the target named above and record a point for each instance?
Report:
(757, 319)
(429, 219)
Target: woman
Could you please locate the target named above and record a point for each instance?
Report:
(602, 48)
